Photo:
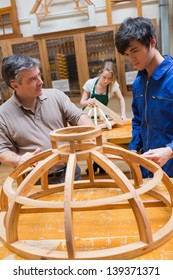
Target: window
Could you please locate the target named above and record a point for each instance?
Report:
(5, 24)
(9, 25)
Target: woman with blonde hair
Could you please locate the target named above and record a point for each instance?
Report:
(103, 88)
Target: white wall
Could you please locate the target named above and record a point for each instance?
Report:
(63, 16)
(4, 3)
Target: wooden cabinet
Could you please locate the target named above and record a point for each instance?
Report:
(30, 47)
(76, 56)
(92, 49)
(100, 47)
(62, 64)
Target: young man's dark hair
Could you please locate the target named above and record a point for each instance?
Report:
(140, 29)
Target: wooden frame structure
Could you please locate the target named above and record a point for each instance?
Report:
(103, 116)
(27, 199)
(47, 3)
(80, 8)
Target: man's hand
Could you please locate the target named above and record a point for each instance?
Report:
(159, 156)
(28, 155)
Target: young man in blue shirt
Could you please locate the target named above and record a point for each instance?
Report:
(152, 90)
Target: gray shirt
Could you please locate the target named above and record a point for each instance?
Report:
(23, 131)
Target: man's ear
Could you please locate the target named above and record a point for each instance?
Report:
(13, 85)
(153, 42)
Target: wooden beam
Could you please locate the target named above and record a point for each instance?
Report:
(79, 8)
(45, 5)
(35, 7)
(109, 12)
(139, 7)
(109, 4)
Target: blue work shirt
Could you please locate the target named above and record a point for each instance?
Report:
(152, 107)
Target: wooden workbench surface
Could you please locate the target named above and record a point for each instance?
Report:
(119, 134)
(99, 229)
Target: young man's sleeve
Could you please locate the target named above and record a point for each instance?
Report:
(136, 142)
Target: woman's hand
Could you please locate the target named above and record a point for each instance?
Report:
(91, 102)
(123, 117)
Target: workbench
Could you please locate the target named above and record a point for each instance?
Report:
(101, 225)
(120, 134)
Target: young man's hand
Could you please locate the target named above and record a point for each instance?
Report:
(159, 155)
